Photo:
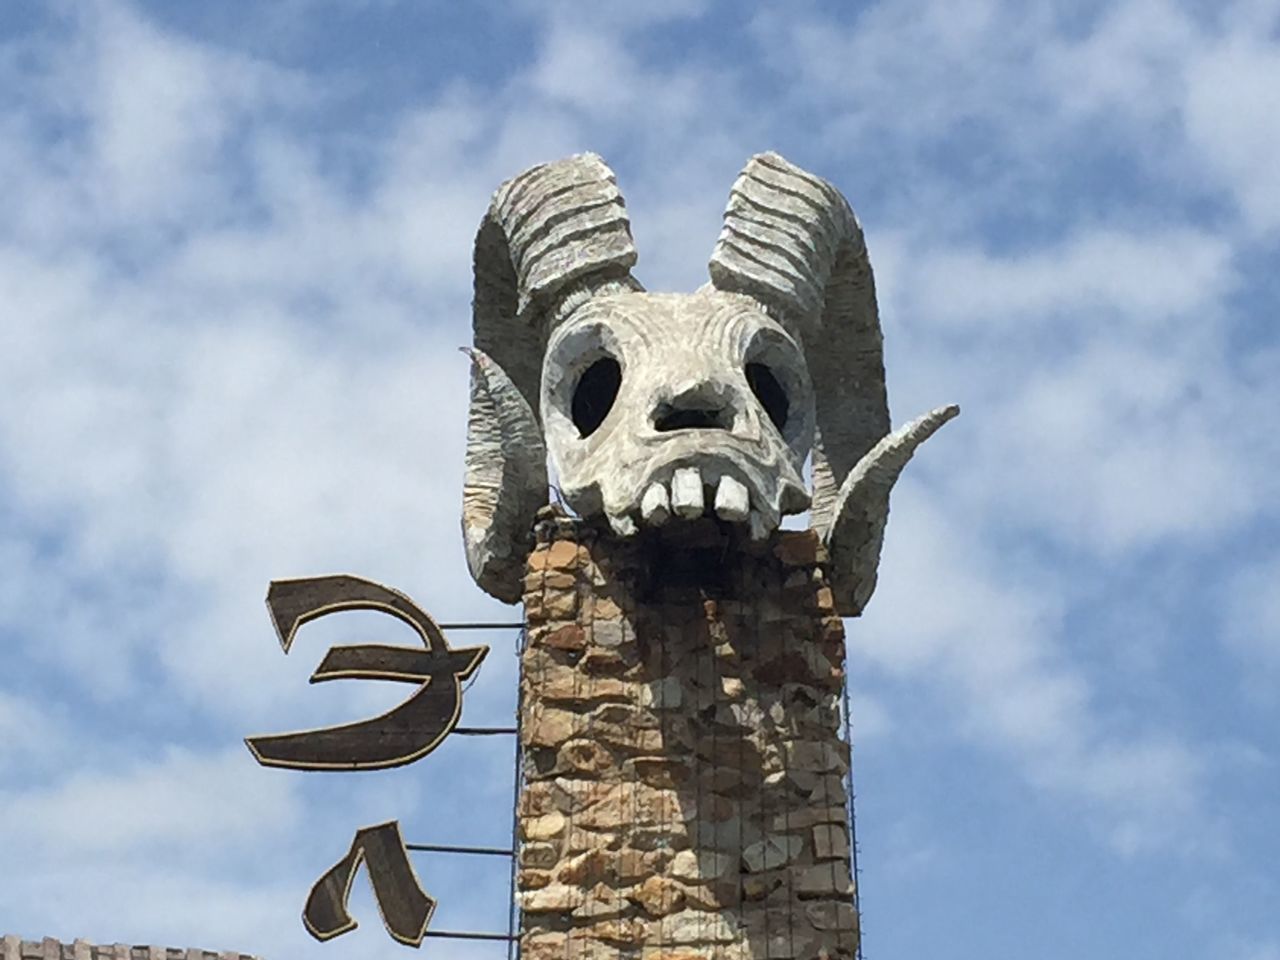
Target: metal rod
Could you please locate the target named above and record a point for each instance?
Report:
(480, 626)
(853, 818)
(462, 935)
(444, 848)
(517, 775)
(484, 731)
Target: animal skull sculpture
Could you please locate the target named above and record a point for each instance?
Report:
(662, 407)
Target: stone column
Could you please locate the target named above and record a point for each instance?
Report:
(683, 789)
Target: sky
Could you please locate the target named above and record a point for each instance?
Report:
(234, 274)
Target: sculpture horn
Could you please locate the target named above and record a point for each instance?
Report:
(553, 236)
(506, 480)
(791, 242)
(856, 534)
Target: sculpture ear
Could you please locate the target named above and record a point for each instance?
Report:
(506, 481)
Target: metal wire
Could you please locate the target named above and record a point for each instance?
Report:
(481, 626)
(478, 851)
(513, 910)
(486, 731)
(853, 820)
(467, 935)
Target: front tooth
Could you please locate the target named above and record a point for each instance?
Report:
(759, 527)
(654, 506)
(686, 492)
(732, 502)
(623, 525)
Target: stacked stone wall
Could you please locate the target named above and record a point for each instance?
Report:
(15, 948)
(683, 789)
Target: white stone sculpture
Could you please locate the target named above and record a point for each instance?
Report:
(658, 408)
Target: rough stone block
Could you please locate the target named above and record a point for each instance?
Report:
(829, 879)
(830, 841)
(544, 827)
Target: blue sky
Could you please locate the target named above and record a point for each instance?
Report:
(234, 269)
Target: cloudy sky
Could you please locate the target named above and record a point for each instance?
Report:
(234, 271)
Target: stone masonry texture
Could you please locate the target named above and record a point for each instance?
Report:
(683, 788)
(15, 948)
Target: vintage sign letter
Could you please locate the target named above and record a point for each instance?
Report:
(399, 736)
(405, 907)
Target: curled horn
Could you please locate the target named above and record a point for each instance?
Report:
(791, 241)
(554, 236)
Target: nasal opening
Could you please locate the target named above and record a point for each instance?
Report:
(701, 408)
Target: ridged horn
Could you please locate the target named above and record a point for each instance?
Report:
(553, 236)
(791, 241)
(856, 533)
(556, 233)
(506, 480)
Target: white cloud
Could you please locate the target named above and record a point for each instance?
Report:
(983, 639)
(1232, 121)
(189, 803)
(1088, 282)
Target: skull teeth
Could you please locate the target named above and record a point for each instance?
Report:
(623, 525)
(655, 506)
(686, 492)
(732, 502)
(687, 498)
(759, 527)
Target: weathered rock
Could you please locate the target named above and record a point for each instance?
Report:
(586, 869)
(540, 856)
(633, 805)
(697, 926)
(533, 879)
(585, 757)
(719, 894)
(825, 880)
(564, 555)
(554, 898)
(636, 865)
(833, 915)
(662, 694)
(659, 896)
(830, 842)
(771, 852)
(663, 772)
(563, 684)
(568, 637)
(544, 946)
(602, 902)
(550, 728)
(544, 827)
(796, 548)
(622, 931)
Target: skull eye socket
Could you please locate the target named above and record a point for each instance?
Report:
(771, 394)
(594, 394)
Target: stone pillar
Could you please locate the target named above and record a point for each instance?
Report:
(683, 780)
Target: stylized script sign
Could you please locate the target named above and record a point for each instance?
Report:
(399, 736)
(405, 907)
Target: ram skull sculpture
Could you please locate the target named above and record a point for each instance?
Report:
(658, 408)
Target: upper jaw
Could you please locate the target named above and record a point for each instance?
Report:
(722, 483)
